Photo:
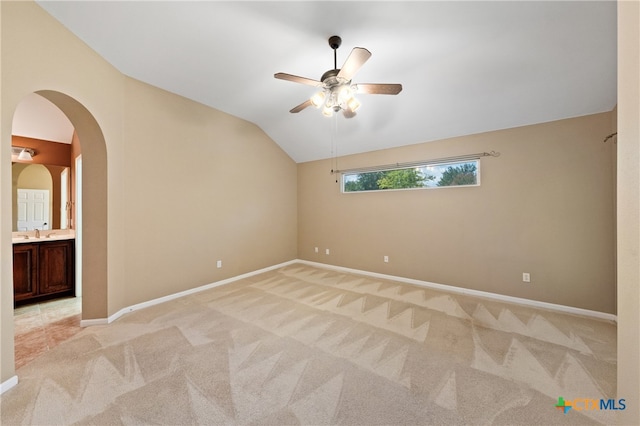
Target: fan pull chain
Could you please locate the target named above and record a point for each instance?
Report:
(334, 146)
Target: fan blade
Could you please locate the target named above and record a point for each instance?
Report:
(379, 89)
(356, 59)
(296, 79)
(348, 113)
(301, 106)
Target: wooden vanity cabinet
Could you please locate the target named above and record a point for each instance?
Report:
(43, 270)
(25, 271)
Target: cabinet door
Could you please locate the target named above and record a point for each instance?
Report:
(25, 271)
(56, 266)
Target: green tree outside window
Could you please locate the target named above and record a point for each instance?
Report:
(425, 176)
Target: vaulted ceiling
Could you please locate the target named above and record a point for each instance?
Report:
(465, 67)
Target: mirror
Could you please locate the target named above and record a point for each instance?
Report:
(42, 187)
(40, 197)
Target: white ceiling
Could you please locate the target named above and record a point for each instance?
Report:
(36, 117)
(465, 67)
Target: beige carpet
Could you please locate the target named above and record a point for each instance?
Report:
(303, 345)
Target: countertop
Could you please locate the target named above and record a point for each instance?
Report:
(19, 237)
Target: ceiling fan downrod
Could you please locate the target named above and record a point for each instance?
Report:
(335, 42)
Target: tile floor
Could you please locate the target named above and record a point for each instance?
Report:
(40, 327)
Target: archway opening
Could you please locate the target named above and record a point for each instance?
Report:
(93, 250)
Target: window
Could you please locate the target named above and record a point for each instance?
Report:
(426, 175)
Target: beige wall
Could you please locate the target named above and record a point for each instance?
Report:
(169, 185)
(201, 186)
(545, 207)
(629, 210)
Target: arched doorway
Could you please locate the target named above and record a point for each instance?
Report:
(94, 200)
(42, 199)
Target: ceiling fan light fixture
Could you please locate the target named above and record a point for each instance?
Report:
(353, 104)
(318, 99)
(348, 113)
(344, 93)
(337, 92)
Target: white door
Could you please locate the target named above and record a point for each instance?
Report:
(33, 209)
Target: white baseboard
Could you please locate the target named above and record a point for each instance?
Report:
(8, 384)
(442, 287)
(471, 292)
(90, 322)
(138, 306)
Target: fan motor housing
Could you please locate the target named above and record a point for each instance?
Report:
(329, 74)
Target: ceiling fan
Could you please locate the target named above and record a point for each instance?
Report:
(336, 89)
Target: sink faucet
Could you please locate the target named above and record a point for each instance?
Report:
(37, 232)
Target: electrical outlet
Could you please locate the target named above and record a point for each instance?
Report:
(386, 259)
(526, 277)
(326, 251)
(316, 249)
(219, 263)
